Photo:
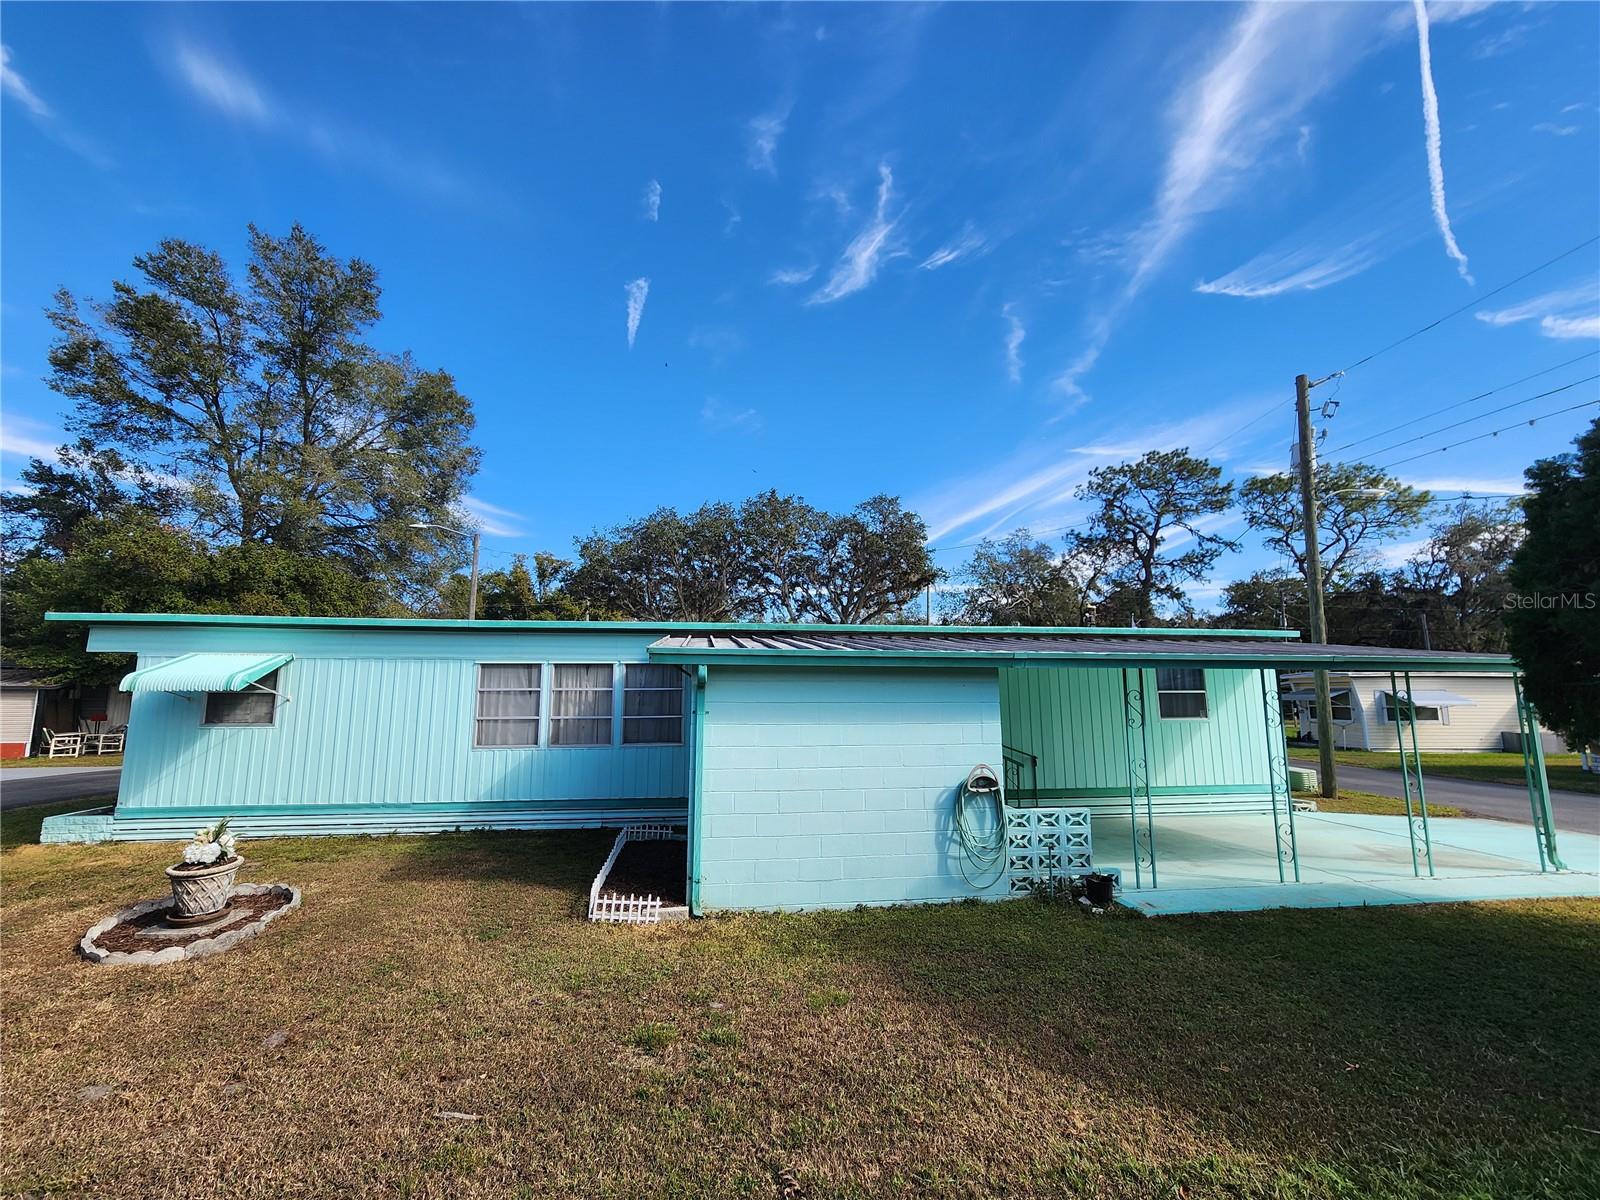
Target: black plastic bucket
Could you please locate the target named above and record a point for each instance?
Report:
(1099, 888)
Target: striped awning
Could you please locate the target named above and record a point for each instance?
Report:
(204, 673)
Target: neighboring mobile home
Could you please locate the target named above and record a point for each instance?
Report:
(814, 766)
(1463, 710)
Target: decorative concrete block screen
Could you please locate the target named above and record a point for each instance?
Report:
(1044, 843)
(828, 789)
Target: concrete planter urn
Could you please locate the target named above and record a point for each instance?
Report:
(203, 881)
(200, 890)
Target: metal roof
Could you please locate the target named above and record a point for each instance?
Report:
(934, 646)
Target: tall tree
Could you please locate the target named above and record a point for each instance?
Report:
(1461, 577)
(669, 567)
(1358, 508)
(780, 535)
(1148, 528)
(1270, 599)
(870, 564)
(262, 405)
(1553, 616)
(1018, 581)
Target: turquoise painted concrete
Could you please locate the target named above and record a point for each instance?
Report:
(826, 789)
(377, 733)
(1072, 720)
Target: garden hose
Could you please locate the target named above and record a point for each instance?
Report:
(983, 846)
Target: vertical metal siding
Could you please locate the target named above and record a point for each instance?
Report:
(373, 727)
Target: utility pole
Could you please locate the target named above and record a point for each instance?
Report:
(1427, 638)
(1327, 778)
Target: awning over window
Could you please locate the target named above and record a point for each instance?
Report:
(205, 673)
(1435, 699)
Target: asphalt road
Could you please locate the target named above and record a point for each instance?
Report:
(1573, 810)
(22, 786)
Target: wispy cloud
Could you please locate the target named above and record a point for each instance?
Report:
(223, 86)
(1570, 327)
(790, 276)
(15, 86)
(14, 441)
(858, 265)
(652, 200)
(967, 244)
(492, 519)
(714, 414)
(1296, 269)
(236, 95)
(1015, 333)
(1566, 313)
(1235, 110)
(45, 118)
(1555, 130)
(762, 134)
(1430, 121)
(636, 293)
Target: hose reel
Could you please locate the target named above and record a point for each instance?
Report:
(982, 858)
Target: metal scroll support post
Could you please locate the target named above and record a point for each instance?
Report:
(1533, 770)
(1278, 773)
(1136, 741)
(1405, 710)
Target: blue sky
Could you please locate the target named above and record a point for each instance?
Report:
(962, 254)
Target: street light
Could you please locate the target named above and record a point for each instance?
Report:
(472, 596)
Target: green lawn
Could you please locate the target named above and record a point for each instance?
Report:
(1485, 766)
(20, 826)
(1019, 1049)
(83, 760)
(1368, 802)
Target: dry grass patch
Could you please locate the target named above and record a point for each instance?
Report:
(1018, 1049)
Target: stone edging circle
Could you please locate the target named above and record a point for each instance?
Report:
(225, 940)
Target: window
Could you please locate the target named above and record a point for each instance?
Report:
(580, 704)
(1181, 693)
(1425, 712)
(249, 707)
(652, 705)
(508, 705)
(1338, 705)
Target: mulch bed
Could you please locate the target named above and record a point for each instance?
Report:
(653, 868)
(129, 936)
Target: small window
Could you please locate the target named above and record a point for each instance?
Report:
(253, 706)
(652, 705)
(508, 705)
(1181, 693)
(580, 704)
(1339, 705)
(1425, 712)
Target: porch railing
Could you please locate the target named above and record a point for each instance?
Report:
(1022, 774)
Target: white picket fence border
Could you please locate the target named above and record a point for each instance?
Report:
(631, 910)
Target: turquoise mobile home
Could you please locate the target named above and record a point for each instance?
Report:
(814, 766)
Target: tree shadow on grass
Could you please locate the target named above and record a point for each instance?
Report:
(1460, 1040)
(562, 859)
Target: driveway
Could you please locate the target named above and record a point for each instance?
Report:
(1573, 810)
(22, 786)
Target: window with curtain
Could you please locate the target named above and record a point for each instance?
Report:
(508, 705)
(249, 707)
(1181, 693)
(652, 705)
(580, 704)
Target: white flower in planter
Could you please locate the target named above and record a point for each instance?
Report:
(211, 844)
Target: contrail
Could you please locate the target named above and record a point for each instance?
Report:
(1430, 118)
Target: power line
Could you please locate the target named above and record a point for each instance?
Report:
(1566, 387)
(1233, 433)
(1492, 433)
(1456, 312)
(1460, 403)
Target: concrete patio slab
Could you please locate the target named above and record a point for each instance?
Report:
(1229, 864)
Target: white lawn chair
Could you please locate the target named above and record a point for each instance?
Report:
(62, 745)
(108, 743)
